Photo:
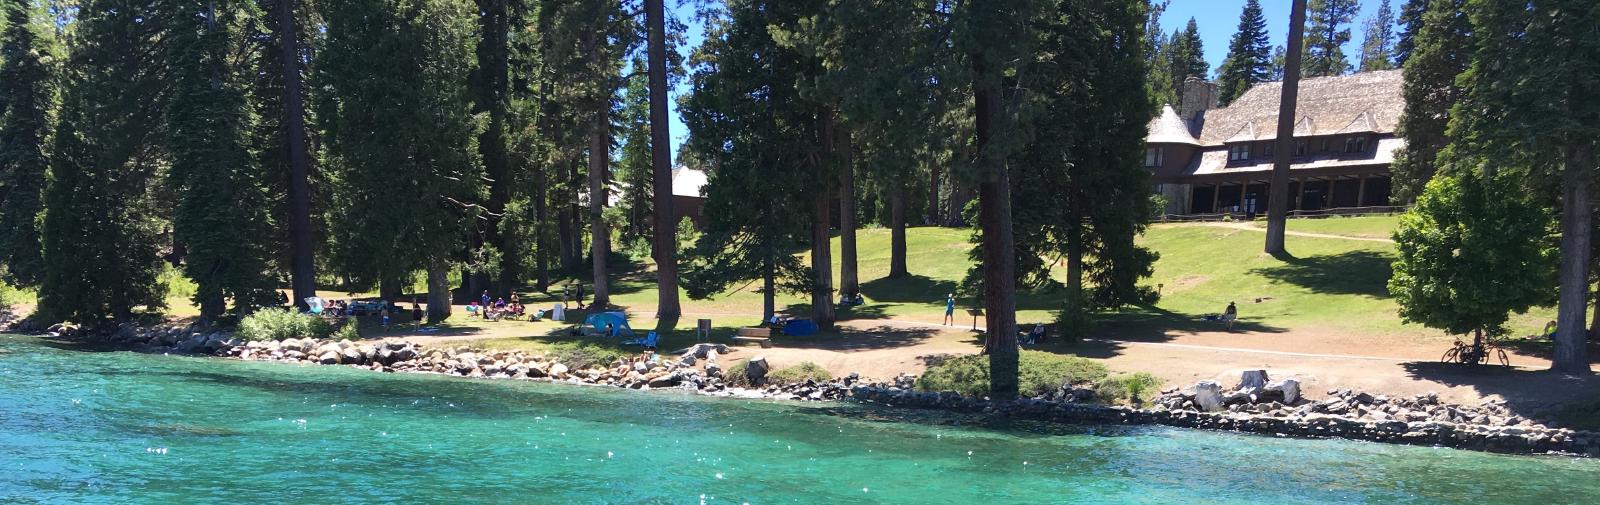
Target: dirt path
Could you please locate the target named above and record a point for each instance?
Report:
(1249, 227)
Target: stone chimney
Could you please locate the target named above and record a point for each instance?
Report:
(1197, 96)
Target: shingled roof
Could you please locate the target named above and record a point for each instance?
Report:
(1366, 101)
(1169, 128)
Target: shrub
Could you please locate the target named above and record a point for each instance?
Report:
(582, 354)
(347, 331)
(279, 324)
(1133, 388)
(798, 373)
(1038, 373)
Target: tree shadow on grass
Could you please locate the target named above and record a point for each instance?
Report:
(1149, 323)
(908, 289)
(1359, 272)
(854, 339)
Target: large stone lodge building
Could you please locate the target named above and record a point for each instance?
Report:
(1207, 160)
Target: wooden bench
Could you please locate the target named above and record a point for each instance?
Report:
(761, 336)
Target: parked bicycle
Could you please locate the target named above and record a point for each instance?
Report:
(1478, 353)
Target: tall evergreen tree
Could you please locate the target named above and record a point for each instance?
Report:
(1410, 22)
(221, 213)
(397, 113)
(633, 161)
(287, 109)
(1186, 58)
(1377, 45)
(1442, 51)
(1323, 54)
(1249, 58)
(1527, 107)
(665, 246)
(27, 95)
(1278, 62)
(102, 227)
(1158, 79)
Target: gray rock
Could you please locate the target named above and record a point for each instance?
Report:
(1289, 388)
(756, 370)
(1252, 379)
(1208, 396)
(329, 358)
(558, 371)
(713, 369)
(686, 360)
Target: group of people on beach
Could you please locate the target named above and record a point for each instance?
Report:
(496, 310)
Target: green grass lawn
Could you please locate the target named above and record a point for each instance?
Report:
(1329, 286)
(1357, 226)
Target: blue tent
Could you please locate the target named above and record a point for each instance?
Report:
(617, 320)
(800, 328)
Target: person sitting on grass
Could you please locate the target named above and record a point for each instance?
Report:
(1230, 314)
(472, 308)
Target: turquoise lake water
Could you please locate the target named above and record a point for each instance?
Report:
(118, 427)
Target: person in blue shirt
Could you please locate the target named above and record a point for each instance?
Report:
(950, 309)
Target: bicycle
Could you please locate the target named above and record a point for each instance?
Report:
(1475, 354)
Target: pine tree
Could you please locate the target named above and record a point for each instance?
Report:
(1325, 38)
(758, 148)
(1157, 54)
(633, 163)
(665, 246)
(27, 94)
(401, 69)
(1410, 25)
(1527, 107)
(1442, 51)
(1378, 45)
(102, 225)
(1249, 58)
(221, 213)
(1276, 72)
(1186, 57)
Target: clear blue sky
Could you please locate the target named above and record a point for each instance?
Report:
(1217, 20)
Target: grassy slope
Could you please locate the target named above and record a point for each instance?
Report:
(1331, 286)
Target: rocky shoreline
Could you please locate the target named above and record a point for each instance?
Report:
(1255, 405)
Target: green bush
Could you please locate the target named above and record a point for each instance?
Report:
(1038, 373)
(1133, 388)
(347, 331)
(799, 373)
(582, 354)
(279, 324)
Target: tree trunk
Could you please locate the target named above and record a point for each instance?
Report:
(822, 310)
(302, 268)
(600, 234)
(897, 230)
(933, 194)
(999, 261)
(541, 244)
(1278, 199)
(1571, 353)
(389, 288)
(849, 282)
(438, 292)
(769, 291)
(1594, 322)
(666, 239)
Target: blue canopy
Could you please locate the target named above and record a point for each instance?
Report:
(617, 320)
(800, 328)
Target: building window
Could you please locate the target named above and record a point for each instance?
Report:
(1299, 148)
(1267, 148)
(1152, 157)
(1239, 152)
(1355, 145)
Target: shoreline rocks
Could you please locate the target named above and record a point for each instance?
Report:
(1256, 405)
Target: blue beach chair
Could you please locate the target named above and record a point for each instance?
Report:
(649, 340)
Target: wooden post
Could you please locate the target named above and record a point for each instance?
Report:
(1188, 201)
(1300, 195)
(1361, 192)
(1331, 183)
(1216, 194)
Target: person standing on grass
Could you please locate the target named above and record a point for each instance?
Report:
(1230, 314)
(385, 318)
(484, 299)
(580, 294)
(416, 313)
(950, 309)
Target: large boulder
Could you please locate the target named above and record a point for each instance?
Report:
(1208, 396)
(558, 371)
(329, 358)
(1289, 388)
(700, 350)
(713, 369)
(756, 370)
(1252, 379)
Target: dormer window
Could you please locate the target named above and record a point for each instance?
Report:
(1355, 145)
(1239, 152)
(1152, 157)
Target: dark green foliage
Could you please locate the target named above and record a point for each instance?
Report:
(1185, 56)
(1411, 14)
(744, 117)
(1323, 53)
(221, 213)
(1249, 58)
(27, 94)
(1471, 251)
(633, 163)
(1442, 50)
(802, 372)
(279, 324)
(1134, 388)
(399, 130)
(1039, 373)
(101, 226)
(1377, 46)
